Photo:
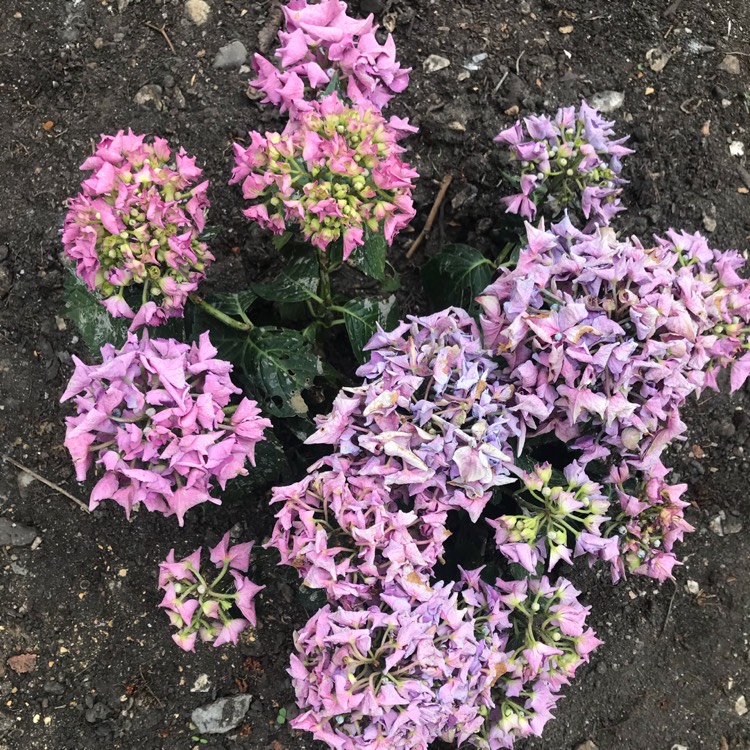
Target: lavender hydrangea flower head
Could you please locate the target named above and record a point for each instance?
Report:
(198, 605)
(347, 534)
(570, 160)
(155, 415)
(393, 676)
(614, 336)
(322, 45)
(134, 229)
(336, 173)
(430, 417)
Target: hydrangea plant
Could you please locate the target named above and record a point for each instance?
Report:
(482, 451)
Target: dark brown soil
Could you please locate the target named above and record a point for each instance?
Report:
(84, 600)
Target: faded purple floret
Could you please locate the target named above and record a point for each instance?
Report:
(155, 416)
(133, 230)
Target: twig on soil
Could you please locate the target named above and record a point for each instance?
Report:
(51, 485)
(444, 185)
(148, 687)
(669, 611)
(518, 60)
(163, 31)
(500, 82)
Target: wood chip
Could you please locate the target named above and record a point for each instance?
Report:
(566, 29)
(48, 125)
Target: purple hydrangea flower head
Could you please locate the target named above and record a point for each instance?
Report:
(571, 160)
(199, 605)
(134, 229)
(155, 416)
(335, 173)
(431, 415)
(320, 45)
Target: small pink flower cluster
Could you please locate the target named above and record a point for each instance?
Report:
(336, 173)
(538, 635)
(650, 522)
(613, 337)
(199, 608)
(550, 513)
(136, 223)
(156, 416)
(321, 42)
(570, 160)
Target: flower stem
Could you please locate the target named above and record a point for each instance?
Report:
(325, 279)
(219, 315)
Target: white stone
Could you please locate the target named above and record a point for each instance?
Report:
(197, 11)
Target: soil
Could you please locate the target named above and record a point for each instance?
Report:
(83, 599)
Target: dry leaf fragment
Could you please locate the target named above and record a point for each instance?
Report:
(48, 125)
(22, 663)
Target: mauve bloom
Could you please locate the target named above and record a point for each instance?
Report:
(152, 416)
(197, 602)
(573, 157)
(136, 224)
(321, 41)
(335, 172)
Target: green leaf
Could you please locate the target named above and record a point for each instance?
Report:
(361, 317)
(96, 326)
(270, 465)
(281, 240)
(209, 233)
(296, 283)
(456, 276)
(234, 304)
(370, 257)
(392, 281)
(279, 363)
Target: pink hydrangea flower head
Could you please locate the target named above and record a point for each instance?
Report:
(627, 335)
(155, 418)
(134, 229)
(344, 532)
(335, 174)
(403, 673)
(199, 605)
